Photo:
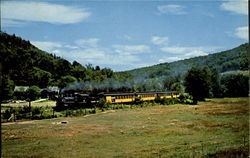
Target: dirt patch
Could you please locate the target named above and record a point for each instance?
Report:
(109, 111)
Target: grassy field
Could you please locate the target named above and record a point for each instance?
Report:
(216, 128)
(35, 104)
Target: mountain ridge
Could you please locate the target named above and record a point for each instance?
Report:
(228, 60)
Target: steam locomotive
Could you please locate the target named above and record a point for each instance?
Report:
(87, 100)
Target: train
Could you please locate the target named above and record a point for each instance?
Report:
(84, 100)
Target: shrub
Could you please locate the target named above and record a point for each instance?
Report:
(185, 98)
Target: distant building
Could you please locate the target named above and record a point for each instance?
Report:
(21, 88)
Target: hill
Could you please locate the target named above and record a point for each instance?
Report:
(230, 60)
(26, 65)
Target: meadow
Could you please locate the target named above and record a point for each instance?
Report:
(215, 128)
(33, 103)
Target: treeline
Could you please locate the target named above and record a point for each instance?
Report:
(230, 60)
(23, 64)
(207, 82)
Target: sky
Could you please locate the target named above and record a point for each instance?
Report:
(124, 35)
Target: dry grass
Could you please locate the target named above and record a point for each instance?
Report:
(213, 128)
(36, 104)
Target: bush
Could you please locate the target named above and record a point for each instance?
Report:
(36, 110)
(166, 101)
(7, 114)
(185, 98)
(102, 104)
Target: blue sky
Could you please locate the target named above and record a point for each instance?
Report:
(124, 35)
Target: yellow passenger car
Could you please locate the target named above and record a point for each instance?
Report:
(130, 97)
(119, 97)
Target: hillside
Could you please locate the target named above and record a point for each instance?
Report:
(230, 60)
(26, 65)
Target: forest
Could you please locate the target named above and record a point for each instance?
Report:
(22, 64)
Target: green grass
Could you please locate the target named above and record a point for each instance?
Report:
(215, 128)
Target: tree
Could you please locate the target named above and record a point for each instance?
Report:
(75, 63)
(62, 68)
(32, 94)
(97, 68)
(198, 83)
(170, 80)
(235, 85)
(7, 88)
(79, 72)
(65, 80)
(216, 88)
(177, 86)
(153, 84)
(40, 77)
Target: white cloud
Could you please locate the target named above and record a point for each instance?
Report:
(125, 37)
(188, 52)
(46, 46)
(11, 23)
(171, 9)
(97, 55)
(17, 11)
(89, 53)
(131, 49)
(169, 59)
(91, 42)
(242, 32)
(184, 53)
(176, 50)
(195, 53)
(159, 40)
(100, 56)
(236, 6)
(70, 46)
